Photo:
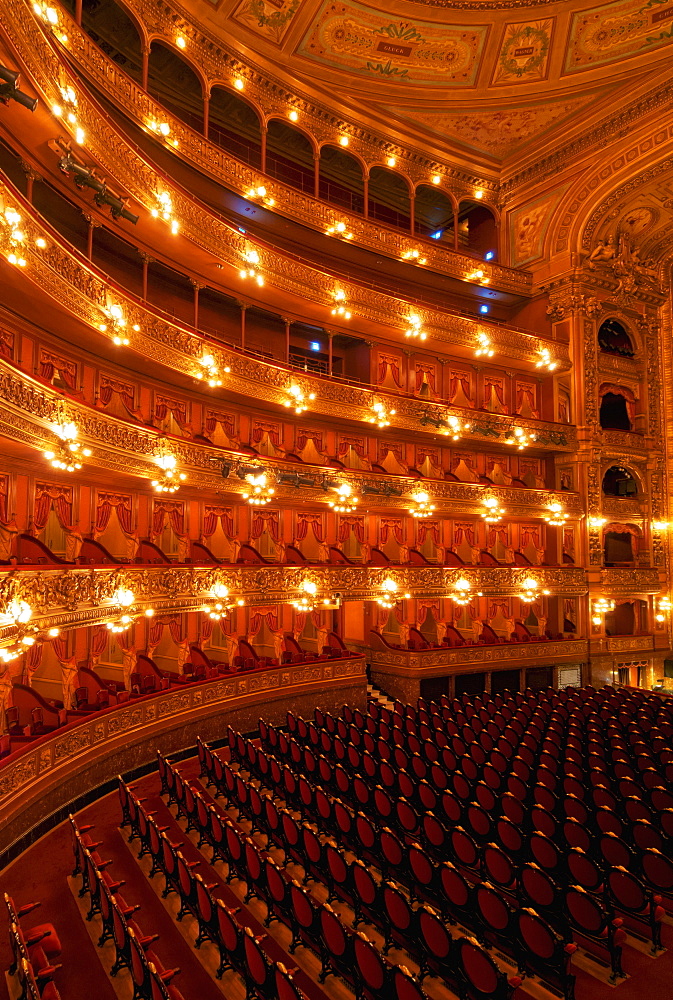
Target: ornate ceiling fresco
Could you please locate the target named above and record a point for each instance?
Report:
(464, 74)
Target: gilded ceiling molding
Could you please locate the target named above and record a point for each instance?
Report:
(240, 177)
(128, 449)
(76, 286)
(219, 63)
(82, 596)
(136, 176)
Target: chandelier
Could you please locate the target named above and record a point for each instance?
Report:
(251, 258)
(545, 360)
(557, 516)
(531, 590)
(415, 328)
(390, 596)
(596, 522)
(117, 320)
(222, 606)
(462, 592)
(210, 371)
(601, 606)
(520, 438)
(455, 427)
(381, 416)
(299, 398)
(18, 614)
(68, 451)
(493, 512)
(340, 308)
(69, 112)
(13, 237)
(479, 276)
(663, 608)
(164, 210)
(49, 15)
(339, 229)
(261, 493)
(171, 478)
(125, 598)
(484, 346)
(423, 506)
(309, 599)
(414, 256)
(345, 502)
(260, 193)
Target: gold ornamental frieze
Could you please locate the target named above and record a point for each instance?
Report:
(119, 159)
(625, 581)
(111, 80)
(128, 449)
(78, 596)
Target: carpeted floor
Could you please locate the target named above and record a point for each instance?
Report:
(41, 873)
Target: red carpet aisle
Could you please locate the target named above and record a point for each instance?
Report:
(42, 871)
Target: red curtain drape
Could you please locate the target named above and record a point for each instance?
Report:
(33, 659)
(125, 640)
(425, 373)
(456, 380)
(426, 528)
(499, 606)
(357, 524)
(99, 640)
(4, 494)
(620, 390)
(108, 387)
(569, 541)
(625, 529)
(357, 444)
(163, 405)
(265, 519)
(523, 389)
(106, 503)
(387, 361)
(260, 429)
(7, 344)
(259, 615)
(465, 531)
(395, 525)
(305, 435)
(227, 422)
(430, 453)
(67, 370)
(156, 630)
(171, 510)
(304, 521)
(495, 384)
(424, 607)
(529, 533)
(498, 531)
(212, 514)
(48, 495)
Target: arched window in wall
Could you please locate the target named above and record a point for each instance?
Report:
(618, 408)
(619, 482)
(341, 180)
(434, 215)
(234, 125)
(388, 200)
(477, 230)
(289, 156)
(111, 28)
(175, 85)
(613, 339)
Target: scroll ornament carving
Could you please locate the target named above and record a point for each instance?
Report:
(623, 263)
(561, 305)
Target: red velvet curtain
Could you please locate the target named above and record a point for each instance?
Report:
(33, 659)
(391, 524)
(106, 503)
(48, 495)
(620, 390)
(425, 373)
(426, 528)
(522, 389)
(174, 511)
(265, 519)
(108, 387)
(500, 532)
(569, 541)
(312, 520)
(431, 453)
(465, 531)
(164, 405)
(4, 493)
(260, 429)
(99, 639)
(424, 607)
(497, 385)
(60, 647)
(457, 379)
(7, 344)
(125, 640)
(529, 533)
(385, 362)
(227, 422)
(156, 630)
(304, 436)
(67, 370)
(259, 615)
(499, 606)
(357, 524)
(213, 514)
(357, 444)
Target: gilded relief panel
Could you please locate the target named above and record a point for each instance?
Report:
(270, 18)
(528, 228)
(616, 31)
(369, 42)
(524, 53)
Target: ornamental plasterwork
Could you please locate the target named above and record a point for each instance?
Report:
(442, 658)
(76, 596)
(128, 448)
(630, 581)
(240, 177)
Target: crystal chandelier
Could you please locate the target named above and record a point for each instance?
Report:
(171, 478)
(423, 508)
(556, 516)
(531, 590)
(222, 606)
(261, 493)
(68, 451)
(345, 502)
(493, 512)
(390, 596)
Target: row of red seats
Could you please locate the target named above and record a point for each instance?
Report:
(34, 950)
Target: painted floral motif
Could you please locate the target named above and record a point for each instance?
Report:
(525, 52)
(267, 17)
(603, 34)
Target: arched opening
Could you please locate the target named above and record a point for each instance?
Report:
(623, 620)
(388, 200)
(341, 180)
(613, 339)
(618, 482)
(174, 84)
(434, 215)
(111, 28)
(620, 545)
(289, 156)
(477, 230)
(235, 126)
(614, 413)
